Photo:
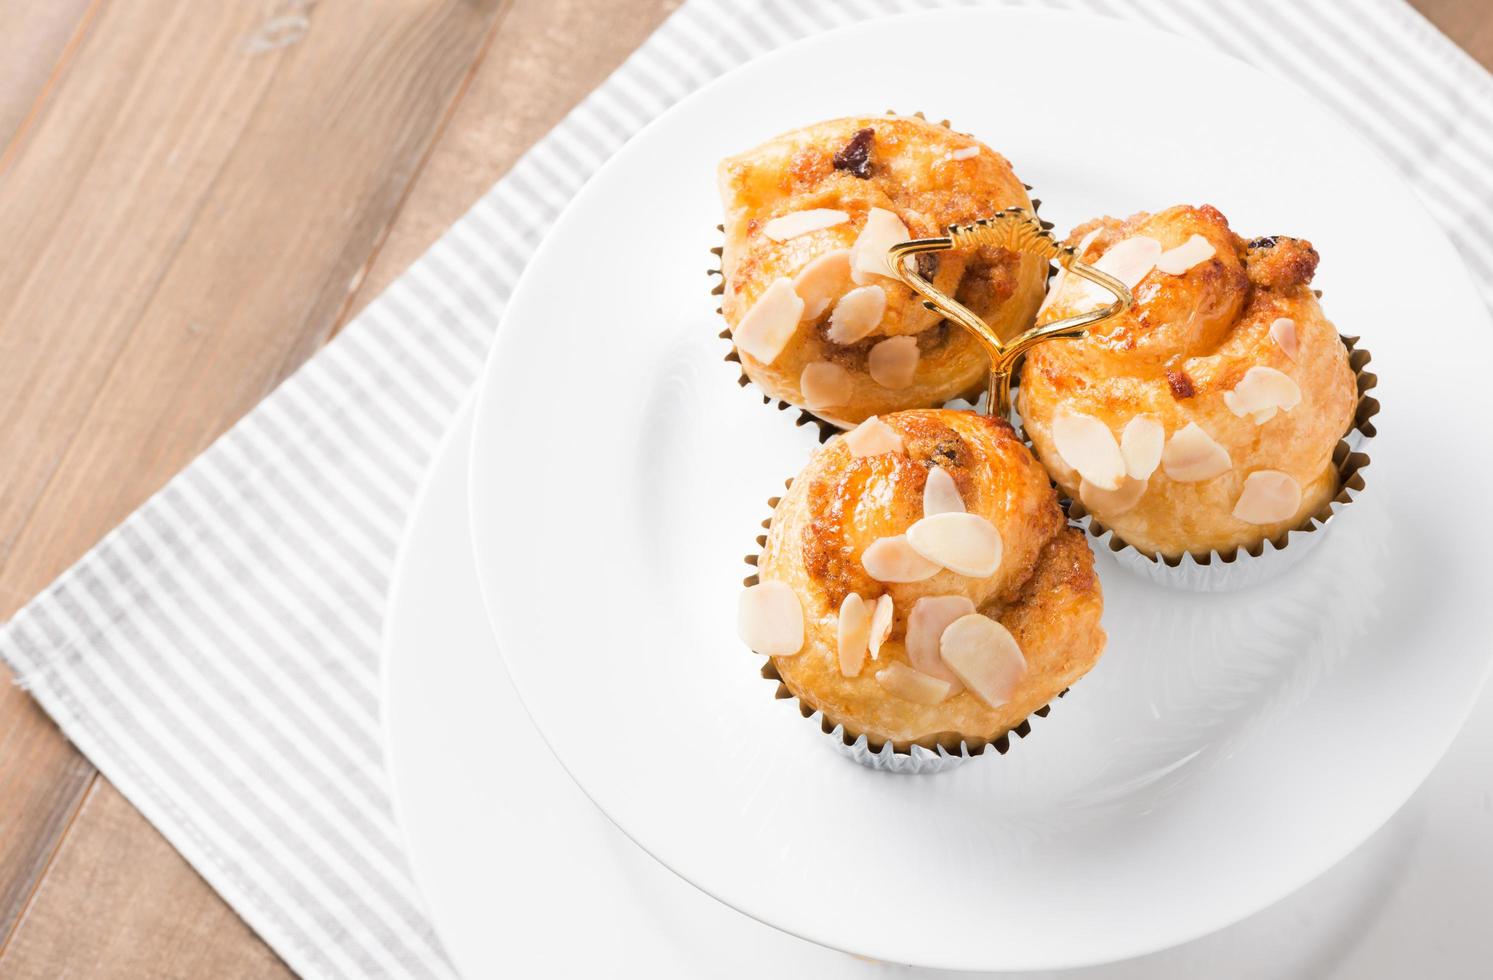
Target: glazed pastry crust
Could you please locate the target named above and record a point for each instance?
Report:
(1045, 590)
(914, 174)
(1189, 339)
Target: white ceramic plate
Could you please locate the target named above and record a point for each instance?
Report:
(521, 874)
(516, 864)
(1225, 751)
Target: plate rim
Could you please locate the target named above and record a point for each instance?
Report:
(465, 415)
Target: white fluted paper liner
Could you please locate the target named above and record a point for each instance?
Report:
(916, 762)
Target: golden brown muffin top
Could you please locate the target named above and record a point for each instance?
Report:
(1043, 591)
(854, 181)
(925, 173)
(1211, 334)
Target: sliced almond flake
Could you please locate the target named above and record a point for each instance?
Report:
(882, 230)
(1058, 281)
(894, 362)
(1192, 455)
(1111, 503)
(825, 385)
(911, 685)
(770, 620)
(894, 560)
(857, 314)
(822, 281)
(1176, 261)
(985, 656)
(967, 153)
(965, 543)
(770, 323)
(941, 494)
(930, 616)
(788, 226)
(872, 438)
(1085, 242)
(1260, 392)
(1130, 260)
(1268, 497)
(853, 634)
(1283, 332)
(881, 624)
(1087, 445)
(1141, 444)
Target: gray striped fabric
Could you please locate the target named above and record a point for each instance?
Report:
(216, 656)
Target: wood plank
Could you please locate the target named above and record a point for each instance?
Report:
(43, 31)
(547, 57)
(185, 219)
(175, 927)
(104, 190)
(249, 188)
(1470, 24)
(42, 777)
(42, 781)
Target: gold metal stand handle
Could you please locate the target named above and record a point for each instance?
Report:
(1019, 231)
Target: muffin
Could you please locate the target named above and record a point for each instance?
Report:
(815, 316)
(1204, 418)
(920, 586)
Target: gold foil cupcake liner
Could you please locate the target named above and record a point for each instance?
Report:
(1242, 568)
(941, 752)
(828, 425)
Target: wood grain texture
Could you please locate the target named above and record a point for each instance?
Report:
(174, 927)
(42, 781)
(190, 209)
(1468, 22)
(187, 213)
(162, 278)
(547, 55)
(37, 37)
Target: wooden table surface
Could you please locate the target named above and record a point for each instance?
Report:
(194, 197)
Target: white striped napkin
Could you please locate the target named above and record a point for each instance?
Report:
(216, 656)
